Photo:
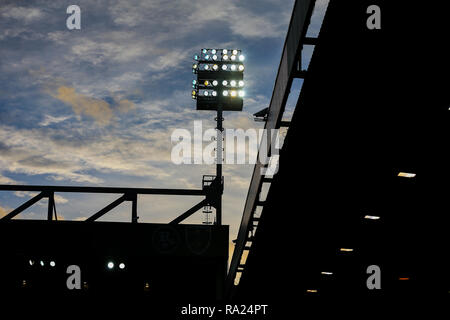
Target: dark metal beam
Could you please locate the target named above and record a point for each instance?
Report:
(190, 212)
(181, 192)
(310, 41)
(51, 205)
(298, 26)
(24, 206)
(134, 216)
(107, 208)
(285, 123)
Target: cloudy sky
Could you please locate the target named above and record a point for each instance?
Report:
(97, 106)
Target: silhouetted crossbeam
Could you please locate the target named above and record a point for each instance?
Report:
(181, 192)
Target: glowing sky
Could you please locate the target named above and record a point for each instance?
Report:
(97, 106)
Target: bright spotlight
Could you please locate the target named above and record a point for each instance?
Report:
(41, 263)
(31, 262)
(122, 266)
(52, 263)
(219, 83)
(110, 265)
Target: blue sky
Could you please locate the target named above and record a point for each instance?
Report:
(97, 106)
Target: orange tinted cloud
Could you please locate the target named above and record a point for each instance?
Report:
(2, 212)
(96, 108)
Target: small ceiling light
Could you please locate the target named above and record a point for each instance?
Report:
(215, 67)
(110, 265)
(235, 52)
(206, 67)
(233, 83)
(213, 51)
(241, 67)
(241, 93)
(241, 57)
(195, 66)
(311, 291)
(206, 83)
(326, 273)
(224, 82)
(52, 263)
(371, 217)
(406, 175)
(204, 51)
(205, 93)
(224, 51)
(207, 57)
(233, 93)
(233, 67)
(214, 93)
(225, 57)
(233, 57)
(224, 67)
(241, 83)
(215, 83)
(225, 93)
(42, 263)
(346, 249)
(122, 266)
(31, 262)
(214, 57)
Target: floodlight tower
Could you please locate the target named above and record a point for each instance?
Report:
(219, 86)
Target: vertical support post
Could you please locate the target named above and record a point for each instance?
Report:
(51, 205)
(219, 164)
(134, 216)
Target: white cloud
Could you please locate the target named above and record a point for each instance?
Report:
(51, 120)
(6, 180)
(23, 14)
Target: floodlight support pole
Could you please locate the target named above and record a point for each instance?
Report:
(219, 160)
